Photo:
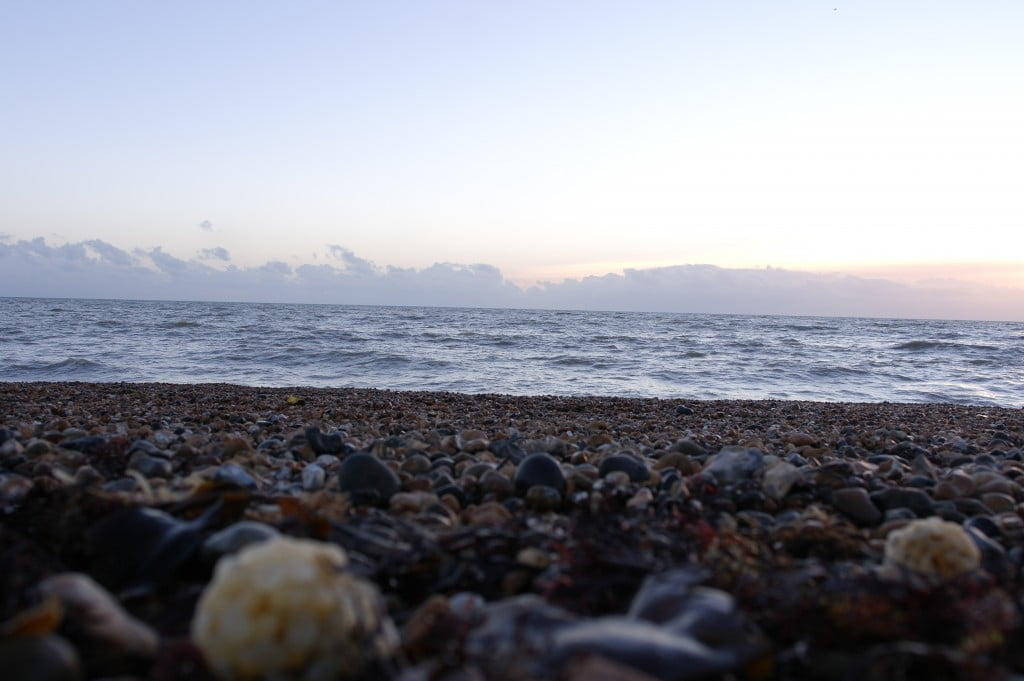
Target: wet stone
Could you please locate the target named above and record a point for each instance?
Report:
(39, 658)
(234, 537)
(914, 499)
(313, 477)
(493, 482)
(630, 465)
(856, 503)
(734, 463)
(543, 498)
(321, 443)
(233, 474)
(367, 479)
(779, 479)
(539, 469)
(151, 466)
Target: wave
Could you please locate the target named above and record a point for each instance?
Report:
(76, 366)
(179, 324)
(924, 345)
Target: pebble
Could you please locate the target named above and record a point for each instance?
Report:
(931, 547)
(543, 498)
(367, 479)
(539, 469)
(233, 474)
(288, 608)
(39, 658)
(856, 503)
(235, 537)
(632, 466)
(313, 477)
(734, 463)
(99, 618)
(779, 478)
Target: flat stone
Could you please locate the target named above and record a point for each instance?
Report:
(856, 503)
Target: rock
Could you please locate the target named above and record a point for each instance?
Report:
(632, 466)
(321, 443)
(287, 608)
(539, 469)
(683, 410)
(13, 489)
(679, 461)
(640, 645)
(313, 477)
(998, 502)
(543, 498)
(100, 619)
(800, 439)
(234, 538)
(734, 463)
(856, 503)
(931, 547)
(779, 478)
(151, 466)
(690, 448)
(367, 479)
(39, 658)
(415, 464)
(493, 482)
(233, 474)
(911, 498)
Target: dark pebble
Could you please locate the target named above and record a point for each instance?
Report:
(914, 499)
(539, 469)
(367, 479)
(322, 443)
(632, 466)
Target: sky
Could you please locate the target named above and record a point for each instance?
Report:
(795, 157)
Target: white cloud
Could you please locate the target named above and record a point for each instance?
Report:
(206, 226)
(218, 253)
(97, 269)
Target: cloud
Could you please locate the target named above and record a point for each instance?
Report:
(206, 226)
(96, 269)
(217, 253)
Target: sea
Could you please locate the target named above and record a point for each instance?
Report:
(518, 352)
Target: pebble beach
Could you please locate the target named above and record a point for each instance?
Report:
(225, 532)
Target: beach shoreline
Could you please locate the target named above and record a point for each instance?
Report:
(781, 509)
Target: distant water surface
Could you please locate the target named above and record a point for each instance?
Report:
(521, 352)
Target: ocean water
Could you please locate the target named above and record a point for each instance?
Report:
(524, 352)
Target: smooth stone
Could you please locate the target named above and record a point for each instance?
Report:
(367, 479)
(543, 498)
(779, 479)
(690, 448)
(322, 443)
(800, 439)
(235, 537)
(13, 489)
(856, 503)
(677, 461)
(911, 498)
(493, 482)
(39, 658)
(539, 469)
(971, 506)
(643, 646)
(923, 467)
(417, 463)
(313, 477)
(151, 466)
(734, 463)
(630, 465)
(998, 502)
(507, 449)
(99, 616)
(233, 474)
